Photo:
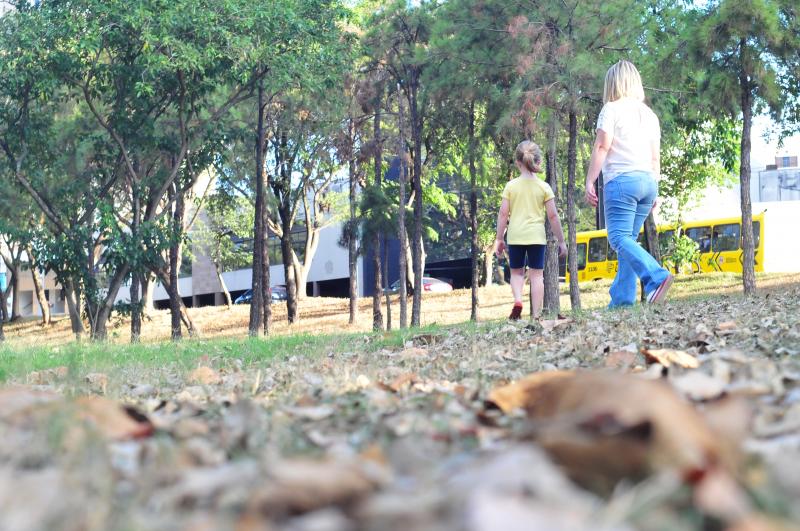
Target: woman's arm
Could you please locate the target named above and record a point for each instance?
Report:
(599, 153)
(655, 147)
(502, 222)
(555, 225)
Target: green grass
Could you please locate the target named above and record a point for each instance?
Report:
(81, 358)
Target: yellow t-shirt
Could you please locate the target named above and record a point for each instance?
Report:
(526, 198)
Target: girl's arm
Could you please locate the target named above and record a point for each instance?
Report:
(502, 222)
(599, 153)
(555, 225)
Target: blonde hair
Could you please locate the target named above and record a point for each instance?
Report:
(530, 155)
(623, 81)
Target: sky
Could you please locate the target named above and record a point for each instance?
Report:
(764, 150)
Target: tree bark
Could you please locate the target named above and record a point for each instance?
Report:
(401, 214)
(38, 287)
(15, 302)
(386, 287)
(352, 255)
(174, 265)
(186, 319)
(288, 265)
(748, 244)
(148, 285)
(105, 307)
(73, 307)
(572, 249)
(488, 262)
(377, 314)
(552, 300)
(473, 216)
(418, 259)
(224, 287)
(256, 324)
(136, 314)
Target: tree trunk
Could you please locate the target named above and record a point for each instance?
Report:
(256, 324)
(174, 265)
(488, 262)
(148, 286)
(136, 314)
(552, 300)
(417, 258)
(386, 287)
(186, 319)
(73, 307)
(224, 287)
(288, 264)
(352, 256)
(748, 244)
(103, 311)
(377, 314)
(401, 214)
(473, 216)
(38, 287)
(15, 302)
(572, 260)
(266, 294)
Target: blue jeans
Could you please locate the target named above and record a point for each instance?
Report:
(628, 199)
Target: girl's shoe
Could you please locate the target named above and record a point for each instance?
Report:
(660, 293)
(516, 312)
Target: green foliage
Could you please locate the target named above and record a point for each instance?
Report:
(682, 251)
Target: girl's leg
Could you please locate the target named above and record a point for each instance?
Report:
(517, 282)
(628, 199)
(536, 277)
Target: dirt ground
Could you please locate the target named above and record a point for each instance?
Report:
(683, 416)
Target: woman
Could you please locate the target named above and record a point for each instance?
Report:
(628, 151)
(526, 201)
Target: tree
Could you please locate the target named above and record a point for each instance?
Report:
(751, 63)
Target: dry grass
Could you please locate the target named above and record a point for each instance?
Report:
(330, 315)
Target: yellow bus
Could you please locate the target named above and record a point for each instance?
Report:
(719, 242)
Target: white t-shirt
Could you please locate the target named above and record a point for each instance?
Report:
(633, 128)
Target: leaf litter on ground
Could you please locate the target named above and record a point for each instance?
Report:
(685, 416)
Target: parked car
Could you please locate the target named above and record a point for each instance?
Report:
(277, 293)
(431, 284)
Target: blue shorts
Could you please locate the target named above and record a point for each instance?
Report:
(531, 255)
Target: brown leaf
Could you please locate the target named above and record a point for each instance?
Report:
(718, 494)
(603, 427)
(519, 394)
(205, 376)
(404, 381)
(98, 382)
(47, 376)
(698, 386)
(620, 359)
(667, 357)
(310, 412)
(727, 327)
(301, 485)
(111, 419)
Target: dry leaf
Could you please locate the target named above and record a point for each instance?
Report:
(620, 359)
(603, 427)
(310, 412)
(698, 386)
(718, 494)
(98, 382)
(111, 419)
(298, 486)
(205, 376)
(668, 357)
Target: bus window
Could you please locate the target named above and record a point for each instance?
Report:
(581, 256)
(597, 249)
(665, 241)
(702, 235)
(756, 234)
(726, 237)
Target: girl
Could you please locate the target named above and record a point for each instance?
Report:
(628, 150)
(526, 200)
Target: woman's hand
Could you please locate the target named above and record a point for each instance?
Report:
(591, 195)
(499, 247)
(562, 250)
(656, 202)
